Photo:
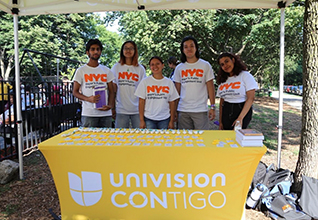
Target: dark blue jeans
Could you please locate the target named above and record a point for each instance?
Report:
(154, 124)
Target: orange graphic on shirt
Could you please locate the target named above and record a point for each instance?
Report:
(126, 75)
(158, 89)
(192, 72)
(235, 85)
(95, 77)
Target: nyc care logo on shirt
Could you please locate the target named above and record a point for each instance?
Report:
(233, 85)
(158, 89)
(192, 73)
(95, 77)
(129, 76)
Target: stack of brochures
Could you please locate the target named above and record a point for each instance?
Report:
(249, 138)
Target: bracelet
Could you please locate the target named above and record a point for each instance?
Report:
(212, 106)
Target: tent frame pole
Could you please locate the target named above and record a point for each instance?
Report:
(18, 92)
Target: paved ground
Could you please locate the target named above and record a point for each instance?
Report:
(290, 99)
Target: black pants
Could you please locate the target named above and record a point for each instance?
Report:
(231, 111)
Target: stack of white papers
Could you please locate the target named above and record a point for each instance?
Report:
(249, 138)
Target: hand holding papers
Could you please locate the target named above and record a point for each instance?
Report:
(102, 102)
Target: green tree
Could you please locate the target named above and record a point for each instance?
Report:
(293, 71)
(63, 35)
(253, 34)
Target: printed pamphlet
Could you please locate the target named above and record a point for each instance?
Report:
(101, 90)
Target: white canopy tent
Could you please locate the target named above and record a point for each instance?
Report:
(36, 7)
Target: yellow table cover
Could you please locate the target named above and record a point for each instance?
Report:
(127, 174)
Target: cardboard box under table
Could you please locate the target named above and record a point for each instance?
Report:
(134, 175)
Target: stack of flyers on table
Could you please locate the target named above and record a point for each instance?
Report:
(101, 90)
(249, 138)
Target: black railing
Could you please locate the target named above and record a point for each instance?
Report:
(47, 109)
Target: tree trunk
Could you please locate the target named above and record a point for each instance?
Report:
(307, 163)
(5, 70)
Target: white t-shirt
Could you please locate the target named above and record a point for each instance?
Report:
(235, 88)
(157, 93)
(127, 79)
(193, 78)
(90, 77)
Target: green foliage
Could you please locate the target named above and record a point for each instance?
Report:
(293, 70)
(254, 34)
(69, 73)
(63, 35)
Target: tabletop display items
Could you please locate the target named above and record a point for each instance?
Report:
(249, 138)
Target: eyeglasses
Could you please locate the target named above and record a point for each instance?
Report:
(129, 48)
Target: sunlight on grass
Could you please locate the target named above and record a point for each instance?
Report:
(292, 111)
(296, 152)
(271, 144)
(285, 132)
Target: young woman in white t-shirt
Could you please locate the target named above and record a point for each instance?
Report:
(128, 74)
(236, 91)
(157, 95)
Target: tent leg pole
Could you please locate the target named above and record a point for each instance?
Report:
(281, 86)
(18, 92)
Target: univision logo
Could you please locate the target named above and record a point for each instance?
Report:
(85, 190)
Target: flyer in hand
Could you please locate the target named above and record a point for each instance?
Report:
(101, 90)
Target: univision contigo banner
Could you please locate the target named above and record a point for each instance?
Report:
(137, 182)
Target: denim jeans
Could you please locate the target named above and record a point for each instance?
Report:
(122, 121)
(97, 122)
(154, 124)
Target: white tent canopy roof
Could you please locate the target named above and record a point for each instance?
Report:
(35, 7)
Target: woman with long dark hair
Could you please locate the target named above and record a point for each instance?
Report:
(236, 91)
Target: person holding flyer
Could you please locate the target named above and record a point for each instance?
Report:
(86, 79)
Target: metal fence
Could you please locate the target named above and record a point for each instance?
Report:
(48, 108)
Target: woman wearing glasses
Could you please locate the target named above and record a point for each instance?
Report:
(128, 74)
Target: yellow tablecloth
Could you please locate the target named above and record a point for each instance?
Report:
(122, 174)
